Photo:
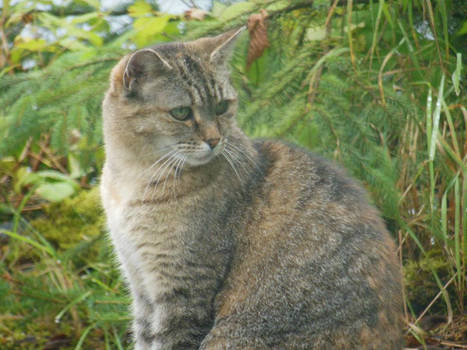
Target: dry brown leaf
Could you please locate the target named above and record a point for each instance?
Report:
(195, 14)
(257, 27)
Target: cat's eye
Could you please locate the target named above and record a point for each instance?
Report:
(222, 107)
(181, 113)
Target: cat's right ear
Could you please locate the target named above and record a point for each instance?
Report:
(135, 68)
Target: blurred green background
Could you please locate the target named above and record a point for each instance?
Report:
(376, 85)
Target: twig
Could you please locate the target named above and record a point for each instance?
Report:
(52, 158)
(93, 62)
(434, 300)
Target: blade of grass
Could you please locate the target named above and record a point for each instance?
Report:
(412, 54)
(456, 76)
(446, 298)
(70, 305)
(375, 30)
(451, 129)
(444, 19)
(27, 240)
(117, 339)
(432, 146)
(84, 335)
(457, 245)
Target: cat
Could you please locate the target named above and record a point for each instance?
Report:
(232, 243)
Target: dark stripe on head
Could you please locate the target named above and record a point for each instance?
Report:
(187, 81)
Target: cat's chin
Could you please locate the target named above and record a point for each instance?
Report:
(198, 161)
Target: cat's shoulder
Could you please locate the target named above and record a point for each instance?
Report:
(310, 171)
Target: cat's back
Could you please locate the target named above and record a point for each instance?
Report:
(315, 261)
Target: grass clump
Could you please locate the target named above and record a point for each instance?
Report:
(74, 221)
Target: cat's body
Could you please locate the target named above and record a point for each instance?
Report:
(282, 252)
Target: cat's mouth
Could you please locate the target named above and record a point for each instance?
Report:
(201, 158)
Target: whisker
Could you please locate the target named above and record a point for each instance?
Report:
(177, 167)
(169, 154)
(169, 168)
(161, 171)
(239, 159)
(172, 152)
(226, 156)
(248, 156)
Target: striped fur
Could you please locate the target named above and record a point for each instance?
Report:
(235, 244)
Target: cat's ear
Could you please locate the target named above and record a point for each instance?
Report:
(226, 43)
(132, 70)
(218, 48)
(143, 63)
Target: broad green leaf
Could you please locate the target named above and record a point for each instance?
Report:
(92, 37)
(7, 164)
(74, 167)
(278, 5)
(33, 45)
(53, 174)
(317, 33)
(51, 21)
(24, 177)
(16, 54)
(71, 44)
(236, 10)
(463, 29)
(55, 192)
(85, 18)
(93, 3)
(218, 8)
(148, 27)
(139, 8)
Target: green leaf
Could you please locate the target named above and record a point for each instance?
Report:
(92, 37)
(71, 44)
(236, 10)
(33, 45)
(139, 9)
(278, 5)
(148, 27)
(74, 167)
(85, 18)
(53, 175)
(24, 177)
(463, 29)
(55, 192)
(218, 8)
(93, 3)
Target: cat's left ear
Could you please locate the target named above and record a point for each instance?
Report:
(222, 53)
(219, 48)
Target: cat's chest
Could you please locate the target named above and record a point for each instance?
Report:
(131, 216)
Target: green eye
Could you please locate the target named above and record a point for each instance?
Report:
(181, 113)
(222, 107)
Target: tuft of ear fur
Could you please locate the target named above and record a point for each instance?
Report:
(218, 48)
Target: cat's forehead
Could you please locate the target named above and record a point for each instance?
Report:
(192, 78)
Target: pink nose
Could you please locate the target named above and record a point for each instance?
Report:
(213, 142)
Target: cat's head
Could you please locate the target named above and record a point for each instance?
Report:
(173, 98)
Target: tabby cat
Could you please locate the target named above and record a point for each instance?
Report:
(232, 243)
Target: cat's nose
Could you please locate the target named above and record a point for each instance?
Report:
(212, 142)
